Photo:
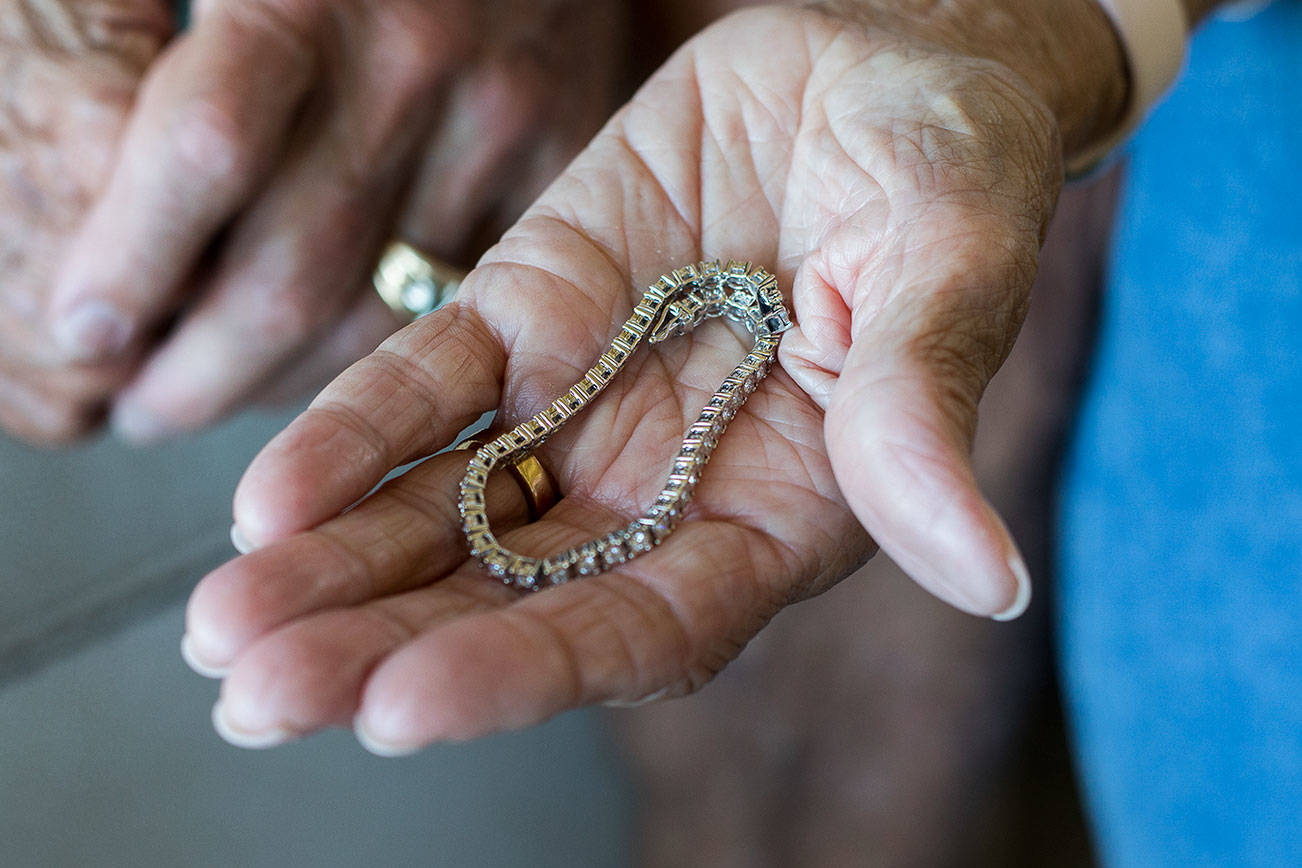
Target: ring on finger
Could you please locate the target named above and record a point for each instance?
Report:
(414, 284)
(536, 483)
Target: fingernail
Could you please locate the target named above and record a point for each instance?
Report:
(92, 331)
(377, 746)
(1023, 600)
(138, 427)
(240, 737)
(240, 541)
(195, 660)
(655, 696)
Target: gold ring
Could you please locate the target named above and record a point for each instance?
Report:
(413, 283)
(536, 484)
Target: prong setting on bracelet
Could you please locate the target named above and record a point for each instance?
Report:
(672, 306)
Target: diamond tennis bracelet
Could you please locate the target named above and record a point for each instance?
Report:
(673, 305)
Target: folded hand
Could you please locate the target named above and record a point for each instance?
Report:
(271, 152)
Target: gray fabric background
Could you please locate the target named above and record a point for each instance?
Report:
(107, 756)
(89, 536)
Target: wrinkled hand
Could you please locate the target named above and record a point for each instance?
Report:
(277, 145)
(900, 190)
(71, 69)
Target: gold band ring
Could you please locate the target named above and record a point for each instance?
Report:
(413, 283)
(536, 484)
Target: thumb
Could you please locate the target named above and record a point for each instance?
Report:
(901, 414)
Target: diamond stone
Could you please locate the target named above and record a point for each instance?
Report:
(589, 565)
(641, 540)
(556, 572)
(419, 295)
(613, 554)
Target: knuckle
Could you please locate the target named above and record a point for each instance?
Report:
(414, 47)
(417, 37)
(361, 440)
(654, 648)
(410, 59)
(285, 318)
(288, 24)
(207, 144)
(455, 333)
(479, 359)
(510, 99)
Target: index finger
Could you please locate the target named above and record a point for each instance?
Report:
(211, 120)
(428, 382)
(405, 401)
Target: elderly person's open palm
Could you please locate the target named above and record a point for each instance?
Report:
(896, 187)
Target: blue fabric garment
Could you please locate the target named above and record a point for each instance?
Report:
(1181, 505)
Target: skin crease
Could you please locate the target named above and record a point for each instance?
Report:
(899, 186)
(245, 175)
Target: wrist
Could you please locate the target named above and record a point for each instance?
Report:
(1066, 50)
(1153, 34)
(1197, 10)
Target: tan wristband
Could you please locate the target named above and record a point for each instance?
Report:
(1153, 34)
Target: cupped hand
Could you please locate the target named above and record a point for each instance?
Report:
(277, 145)
(71, 70)
(899, 189)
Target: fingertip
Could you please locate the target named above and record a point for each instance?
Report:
(916, 494)
(240, 540)
(264, 510)
(898, 436)
(446, 686)
(963, 560)
(237, 734)
(1022, 601)
(205, 647)
(401, 708)
(223, 616)
(309, 473)
(194, 658)
(971, 572)
(137, 426)
(378, 745)
(264, 506)
(93, 331)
